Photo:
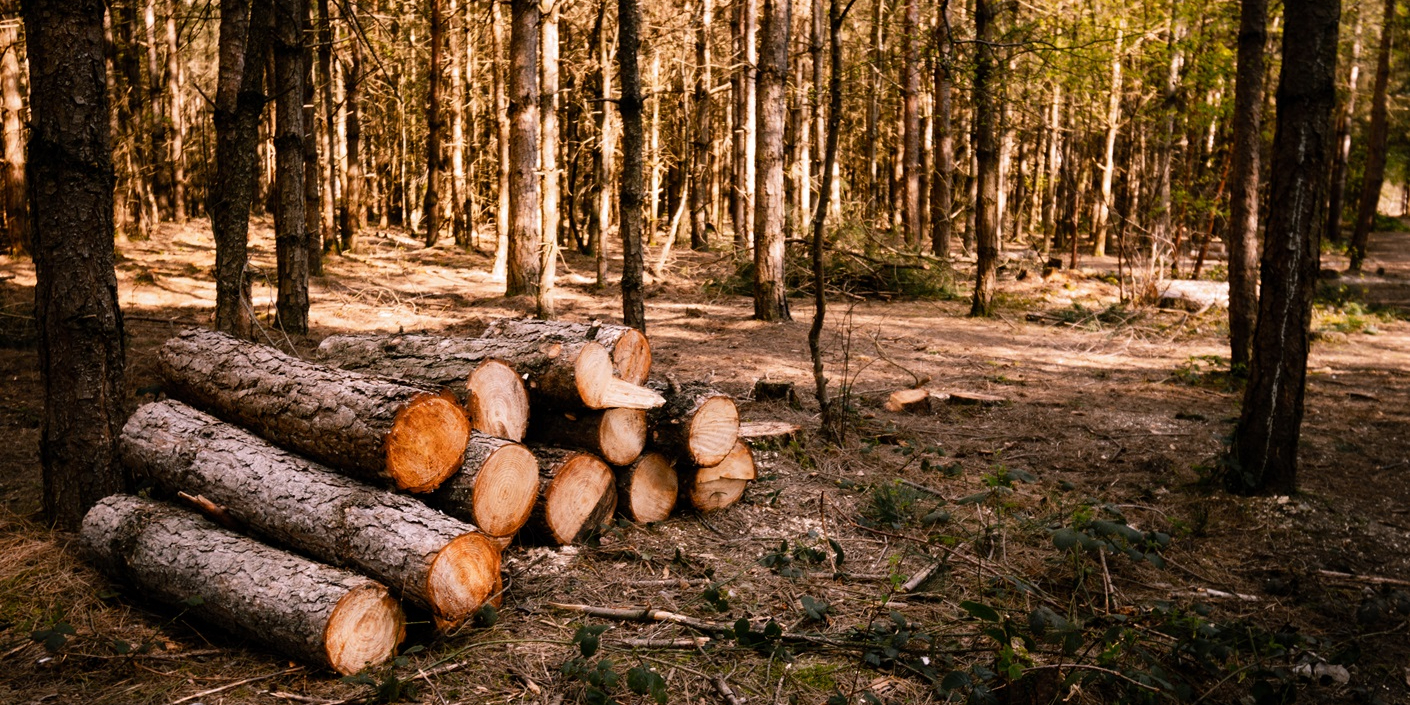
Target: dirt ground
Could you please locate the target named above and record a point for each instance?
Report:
(1111, 418)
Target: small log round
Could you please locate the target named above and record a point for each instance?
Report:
(579, 494)
(496, 401)
(646, 489)
(710, 489)
(618, 435)
(496, 487)
(313, 612)
(372, 428)
(697, 422)
(629, 347)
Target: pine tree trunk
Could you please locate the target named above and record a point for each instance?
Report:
(339, 620)
(330, 118)
(460, 229)
(501, 104)
(16, 207)
(1373, 176)
(290, 236)
(1336, 201)
(578, 494)
(1265, 443)
(629, 201)
(525, 227)
(1244, 175)
(81, 355)
(1113, 125)
(606, 148)
(313, 193)
(702, 134)
(176, 149)
(548, 159)
(910, 88)
(872, 193)
(745, 128)
(713, 488)
(431, 205)
(986, 114)
(770, 292)
(353, 207)
(698, 423)
(942, 200)
(617, 435)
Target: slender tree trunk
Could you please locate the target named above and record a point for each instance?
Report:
(942, 201)
(15, 199)
(353, 207)
(459, 229)
(548, 157)
(431, 205)
(873, 134)
(1264, 451)
(81, 355)
(176, 118)
(746, 22)
(770, 292)
(833, 414)
(910, 92)
(525, 234)
(986, 113)
(629, 201)
(290, 238)
(330, 117)
(313, 233)
(1243, 199)
(155, 136)
(653, 193)
(1163, 232)
(1374, 175)
(1113, 125)
(607, 148)
(501, 104)
(239, 103)
(701, 137)
(1344, 119)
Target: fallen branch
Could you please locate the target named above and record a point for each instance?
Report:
(642, 615)
(236, 684)
(689, 642)
(723, 687)
(1372, 579)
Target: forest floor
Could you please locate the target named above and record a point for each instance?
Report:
(1112, 418)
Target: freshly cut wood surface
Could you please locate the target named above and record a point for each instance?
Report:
(574, 373)
(375, 429)
(618, 435)
(629, 347)
(713, 488)
(646, 489)
(911, 401)
(697, 422)
(496, 487)
(432, 559)
(767, 431)
(578, 494)
(497, 402)
(313, 612)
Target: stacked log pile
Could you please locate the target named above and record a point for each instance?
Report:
(399, 467)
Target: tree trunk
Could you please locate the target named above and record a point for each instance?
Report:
(340, 620)
(986, 113)
(330, 117)
(910, 91)
(770, 291)
(1338, 188)
(578, 495)
(745, 25)
(239, 103)
(1264, 450)
(371, 428)
(81, 347)
(1374, 174)
(873, 126)
(697, 422)
(548, 159)
(353, 207)
(942, 200)
(176, 118)
(501, 104)
(525, 234)
(716, 487)
(702, 135)
(495, 489)
(630, 348)
(434, 560)
(16, 207)
(313, 196)
(617, 435)
(1113, 125)
(290, 235)
(646, 489)
(1243, 198)
(629, 201)
(461, 231)
(431, 206)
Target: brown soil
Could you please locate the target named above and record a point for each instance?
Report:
(1126, 411)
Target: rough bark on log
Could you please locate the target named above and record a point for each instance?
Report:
(578, 493)
(629, 347)
(574, 373)
(646, 489)
(432, 559)
(373, 428)
(697, 422)
(618, 435)
(765, 390)
(713, 488)
(308, 610)
(496, 487)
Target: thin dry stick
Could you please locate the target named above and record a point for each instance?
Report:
(236, 684)
(640, 615)
(689, 642)
(1099, 669)
(1372, 579)
(722, 686)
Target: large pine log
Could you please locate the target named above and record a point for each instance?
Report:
(629, 347)
(713, 488)
(578, 493)
(697, 422)
(375, 429)
(496, 487)
(573, 373)
(646, 489)
(308, 610)
(432, 559)
(618, 435)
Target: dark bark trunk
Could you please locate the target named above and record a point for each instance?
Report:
(313, 192)
(770, 291)
(290, 234)
(353, 210)
(525, 236)
(630, 198)
(910, 87)
(431, 206)
(1336, 201)
(1243, 194)
(745, 25)
(1264, 451)
(330, 116)
(986, 205)
(1374, 175)
(941, 185)
(700, 142)
(833, 425)
(81, 353)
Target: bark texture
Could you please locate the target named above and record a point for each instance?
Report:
(81, 347)
(770, 292)
(1243, 174)
(290, 221)
(630, 198)
(16, 207)
(321, 615)
(1373, 176)
(629, 347)
(525, 228)
(697, 422)
(986, 148)
(438, 562)
(617, 435)
(435, 125)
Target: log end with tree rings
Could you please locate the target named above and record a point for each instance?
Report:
(647, 489)
(599, 388)
(365, 628)
(713, 488)
(621, 435)
(463, 575)
(427, 442)
(580, 497)
(497, 402)
(713, 431)
(631, 357)
(505, 490)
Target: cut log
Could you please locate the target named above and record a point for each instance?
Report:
(646, 489)
(573, 374)
(578, 494)
(441, 563)
(974, 399)
(496, 487)
(697, 422)
(375, 429)
(914, 401)
(762, 432)
(713, 488)
(497, 402)
(618, 435)
(316, 613)
(629, 348)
